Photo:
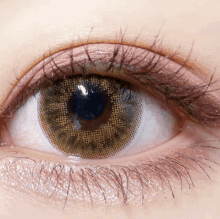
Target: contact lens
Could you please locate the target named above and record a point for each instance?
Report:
(89, 117)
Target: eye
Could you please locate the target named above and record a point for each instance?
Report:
(137, 86)
(117, 120)
(94, 104)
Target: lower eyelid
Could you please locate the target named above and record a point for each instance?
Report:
(141, 180)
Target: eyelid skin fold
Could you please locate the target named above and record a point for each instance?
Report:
(141, 179)
(151, 71)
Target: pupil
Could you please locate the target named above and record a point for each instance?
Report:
(87, 102)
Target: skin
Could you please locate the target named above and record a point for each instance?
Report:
(32, 28)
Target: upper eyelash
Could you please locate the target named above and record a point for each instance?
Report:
(186, 97)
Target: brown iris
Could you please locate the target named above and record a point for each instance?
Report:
(90, 117)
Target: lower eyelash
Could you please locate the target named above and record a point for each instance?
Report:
(113, 184)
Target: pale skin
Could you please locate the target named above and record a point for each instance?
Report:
(29, 29)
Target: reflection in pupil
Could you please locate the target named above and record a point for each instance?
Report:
(87, 102)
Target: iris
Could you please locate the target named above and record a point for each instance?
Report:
(90, 117)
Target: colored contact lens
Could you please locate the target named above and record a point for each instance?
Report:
(90, 117)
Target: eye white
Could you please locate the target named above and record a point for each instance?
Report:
(157, 125)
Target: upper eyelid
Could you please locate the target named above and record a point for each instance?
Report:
(55, 61)
(150, 48)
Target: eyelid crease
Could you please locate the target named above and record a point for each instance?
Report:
(138, 183)
(149, 70)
